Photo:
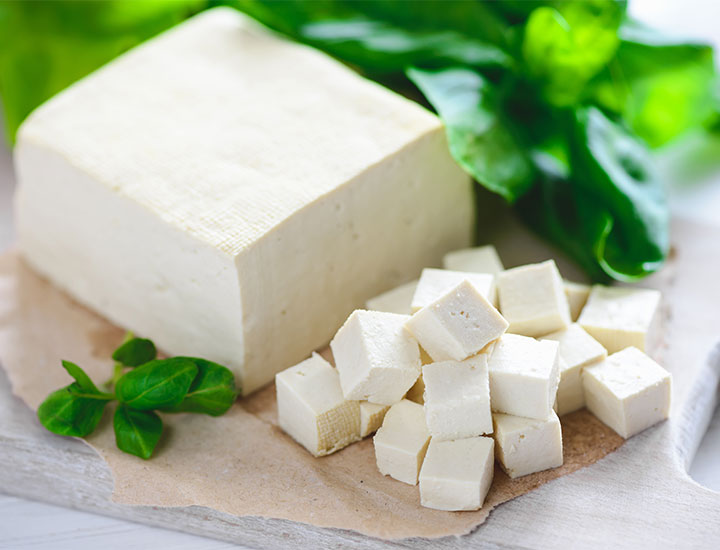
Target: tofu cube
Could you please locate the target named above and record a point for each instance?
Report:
(397, 300)
(312, 409)
(525, 445)
(577, 349)
(524, 376)
(401, 442)
(457, 398)
(619, 317)
(577, 295)
(232, 194)
(456, 475)
(457, 325)
(532, 299)
(628, 391)
(481, 259)
(371, 417)
(434, 283)
(377, 359)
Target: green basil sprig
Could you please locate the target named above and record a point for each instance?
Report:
(177, 384)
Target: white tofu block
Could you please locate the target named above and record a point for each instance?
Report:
(312, 409)
(434, 283)
(577, 295)
(524, 376)
(577, 350)
(532, 299)
(525, 445)
(371, 417)
(397, 300)
(229, 193)
(481, 259)
(401, 442)
(457, 325)
(619, 317)
(456, 475)
(377, 359)
(628, 391)
(457, 398)
(416, 394)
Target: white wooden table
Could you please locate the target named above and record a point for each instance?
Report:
(25, 524)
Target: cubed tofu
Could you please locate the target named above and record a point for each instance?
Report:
(532, 299)
(457, 398)
(577, 350)
(619, 317)
(456, 475)
(401, 442)
(397, 300)
(527, 445)
(312, 409)
(233, 194)
(524, 376)
(628, 391)
(371, 417)
(481, 259)
(457, 325)
(434, 283)
(377, 359)
(577, 295)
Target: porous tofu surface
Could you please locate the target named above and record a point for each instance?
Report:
(532, 298)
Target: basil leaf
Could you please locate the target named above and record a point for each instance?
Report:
(661, 86)
(480, 139)
(621, 199)
(83, 380)
(68, 411)
(137, 432)
(159, 383)
(212, 392)
(135, 352)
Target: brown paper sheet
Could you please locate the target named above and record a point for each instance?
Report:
(242, 463)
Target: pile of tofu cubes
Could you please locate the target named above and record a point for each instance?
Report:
(473, 363)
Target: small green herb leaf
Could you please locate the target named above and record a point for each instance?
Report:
(68, 411)
(137, 432)
(81, 377)
(479, 138)
(135, 352)
(159, 383)
(212, 392)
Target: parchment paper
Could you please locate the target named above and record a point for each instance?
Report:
(241, 463)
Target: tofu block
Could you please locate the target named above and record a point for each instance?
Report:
(577, 350)
(456, 475)
(312, 409)
(434, 283)
(628, 391)
(397, 300)
(481, 259)
(525, 445)
(577, 295)
(377, 359)
(218, 189)
(416, 394)
(532, 299)
(371, 417)
(401, 442)
(619, 317)
(457, 398)
(524, 376)
(457, 325)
